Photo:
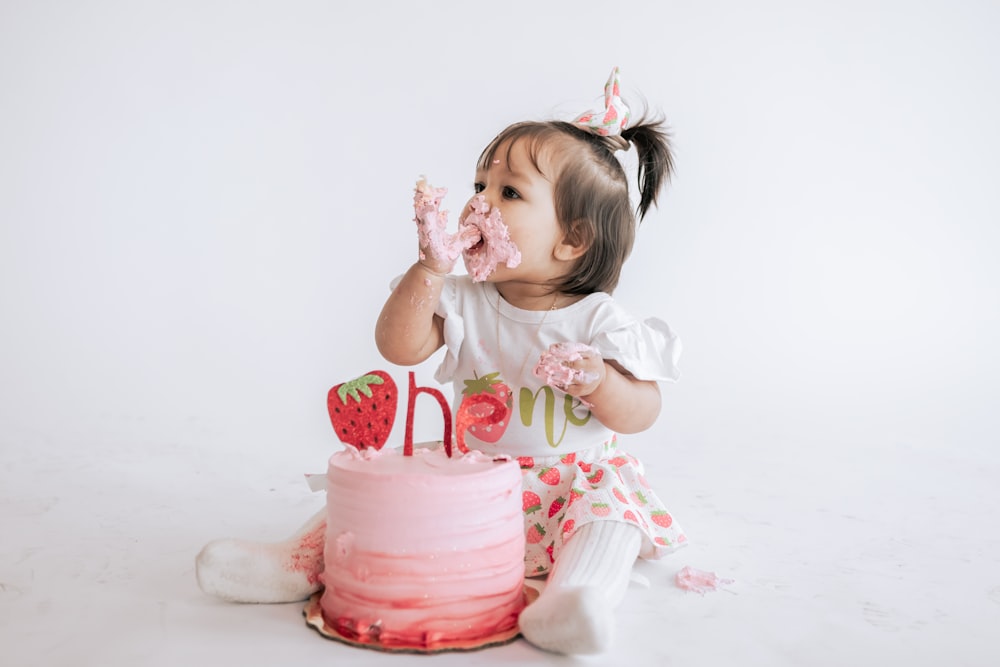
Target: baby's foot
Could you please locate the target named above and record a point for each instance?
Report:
(264, 572)
(572, 621)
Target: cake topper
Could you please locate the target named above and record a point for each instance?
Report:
(363, 410)
(411, 404)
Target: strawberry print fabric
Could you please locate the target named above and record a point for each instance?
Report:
(562, 493)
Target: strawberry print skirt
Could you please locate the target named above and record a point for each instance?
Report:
(563, 493)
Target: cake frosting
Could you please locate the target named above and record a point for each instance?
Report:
(482, 237)
(552, 365)
(422, 551)
(699, 581)
(432, 225)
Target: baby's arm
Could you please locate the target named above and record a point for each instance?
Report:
(408, 331)
(623, 403)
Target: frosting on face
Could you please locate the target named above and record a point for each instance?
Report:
(482, 237)
(497, 247)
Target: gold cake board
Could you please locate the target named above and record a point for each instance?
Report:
(314, 618)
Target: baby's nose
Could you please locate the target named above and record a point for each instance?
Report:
(480, 204)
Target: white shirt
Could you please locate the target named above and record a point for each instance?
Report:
(485, 335)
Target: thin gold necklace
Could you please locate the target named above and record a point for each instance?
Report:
(538, 328)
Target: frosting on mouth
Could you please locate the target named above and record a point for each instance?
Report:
(494, 246)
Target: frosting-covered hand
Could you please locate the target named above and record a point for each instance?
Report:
(438, 249)
(575, 368)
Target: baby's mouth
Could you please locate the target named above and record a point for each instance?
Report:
(470, 238)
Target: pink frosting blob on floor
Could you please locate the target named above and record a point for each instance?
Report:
(482, 236)
(699, 581)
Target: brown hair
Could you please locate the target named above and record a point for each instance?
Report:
(591, 190)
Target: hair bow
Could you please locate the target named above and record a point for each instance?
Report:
(614, 118)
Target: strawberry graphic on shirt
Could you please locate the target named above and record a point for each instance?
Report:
(485, 409)
(362, 410)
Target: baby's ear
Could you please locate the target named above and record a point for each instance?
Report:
(576, 241)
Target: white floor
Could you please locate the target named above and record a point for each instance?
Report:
(838, 559)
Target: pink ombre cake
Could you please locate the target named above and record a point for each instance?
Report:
(423, 552)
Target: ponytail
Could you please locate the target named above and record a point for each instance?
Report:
(651, 139)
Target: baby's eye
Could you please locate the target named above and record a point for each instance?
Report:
(479, 187)
(510, 193)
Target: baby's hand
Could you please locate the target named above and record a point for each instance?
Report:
(574, 368)
(437, 247)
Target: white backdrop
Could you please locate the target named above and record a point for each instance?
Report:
(202, 205)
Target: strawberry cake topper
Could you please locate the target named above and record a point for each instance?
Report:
(363, 410)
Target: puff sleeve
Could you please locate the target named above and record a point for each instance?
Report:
(647, 349)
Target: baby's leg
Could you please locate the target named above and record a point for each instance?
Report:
(575, 612)
(245, 571)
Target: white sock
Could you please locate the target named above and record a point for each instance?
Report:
(245, 571)
(575, 612)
